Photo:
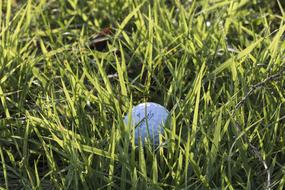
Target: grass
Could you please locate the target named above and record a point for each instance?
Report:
(218, 66)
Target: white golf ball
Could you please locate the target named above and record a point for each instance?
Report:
(148, 119)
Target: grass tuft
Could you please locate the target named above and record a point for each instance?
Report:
(71, 70)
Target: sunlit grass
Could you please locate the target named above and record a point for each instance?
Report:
(218, 66)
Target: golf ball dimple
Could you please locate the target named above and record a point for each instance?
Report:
(148, 119)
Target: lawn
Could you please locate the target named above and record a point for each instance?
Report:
(70, 71)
